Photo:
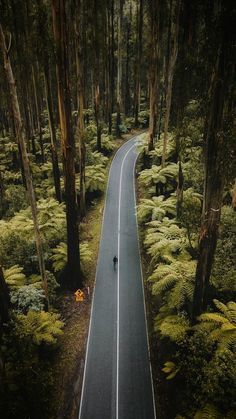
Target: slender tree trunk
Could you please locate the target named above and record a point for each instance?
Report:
(119, 71)
(137, 88)
(219, 96)
(25, 159)
(55, 165)
(173, 51)
(38, 118)
(72, 272)
(79, 26)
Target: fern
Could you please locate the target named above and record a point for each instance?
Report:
(156, 208)
(175, 327)
(14, 276)
(158, 174)
(39, 327)
(59, 256)
(171, 369)
(221, 326)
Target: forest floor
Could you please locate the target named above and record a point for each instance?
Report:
(69, 362)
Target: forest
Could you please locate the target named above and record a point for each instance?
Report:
(78, 78)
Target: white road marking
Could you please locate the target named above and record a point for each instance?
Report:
(92, 306)
(118, 285)
(145, 311)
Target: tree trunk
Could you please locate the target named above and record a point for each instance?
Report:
(119, 71)
(219, 96)
(80, 92)
(55, 166)
(96, 75)
(171, 60)
(72, 272)
(27, 172)
(153, 68)
(139, 57)
(38, 118)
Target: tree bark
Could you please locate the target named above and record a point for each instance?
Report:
(72, 272)
(219, 96)
(80, 99)
(119, 71)
(55, 165)
(153, 68)
(25, 159)
(171, 60)
(137, 87)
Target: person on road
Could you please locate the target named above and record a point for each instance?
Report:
(115, 260)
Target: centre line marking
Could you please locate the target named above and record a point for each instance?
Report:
(118, 285)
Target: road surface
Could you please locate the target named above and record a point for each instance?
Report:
(117, 381)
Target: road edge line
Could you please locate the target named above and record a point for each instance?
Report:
(91, 311)
(141, 269)
(118, 283)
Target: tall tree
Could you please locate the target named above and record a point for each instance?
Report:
(119, 69)
(153, 9)
(73, 271)
(138, 60)
(79, 30)
(21, 140)
(220, 95)
(171, 60)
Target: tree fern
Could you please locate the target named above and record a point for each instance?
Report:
(14, 276)
(175, 327)
(158, 174)
(171, 369)
(39, 327)
(59, 256)
(177, 280)
(156, 208)
(221, 325)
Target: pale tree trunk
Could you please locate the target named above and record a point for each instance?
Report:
(96, 75)
(55, 165)
(119, 71)
(220, 94)
(80, 99)
(20, 138)
(153, 69)
(173, 52)
(72, 272)
(38, 118)
(137, 89)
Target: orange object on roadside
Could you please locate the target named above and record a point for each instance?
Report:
(79, 295)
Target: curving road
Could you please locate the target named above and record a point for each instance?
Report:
(117, 381)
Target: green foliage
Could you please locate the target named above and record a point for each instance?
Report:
(59, 256)
(158, 174)
(224, 275)
(176, 282)
(143, 118)
(95, 178)
(171, 369)
(14, 276)
(107, 144)
(156, 208)
(165, 242)
(38, 327)
(175, 327)
(14, 199)
(27, 297)
(221, 326)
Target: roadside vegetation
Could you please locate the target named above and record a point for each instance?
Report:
(77, 78)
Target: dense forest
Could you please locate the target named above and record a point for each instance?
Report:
(77, 79)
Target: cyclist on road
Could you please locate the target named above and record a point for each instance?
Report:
(115, 260)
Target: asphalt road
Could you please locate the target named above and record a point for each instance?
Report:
(117, 380)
